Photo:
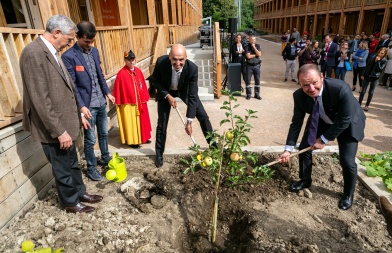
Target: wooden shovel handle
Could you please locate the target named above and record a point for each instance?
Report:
(293, 154)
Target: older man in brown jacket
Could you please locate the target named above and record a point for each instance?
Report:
(50, 111)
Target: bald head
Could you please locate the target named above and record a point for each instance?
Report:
(177, 56)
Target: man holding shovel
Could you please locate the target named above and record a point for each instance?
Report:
(334, 113)
(175, 76)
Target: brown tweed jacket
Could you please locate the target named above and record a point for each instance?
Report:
(49, 104)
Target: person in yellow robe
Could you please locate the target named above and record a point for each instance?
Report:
(131, 93)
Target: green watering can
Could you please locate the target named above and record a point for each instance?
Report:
(117, 171)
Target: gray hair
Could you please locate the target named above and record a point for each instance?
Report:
(386, 35)
(61, 22)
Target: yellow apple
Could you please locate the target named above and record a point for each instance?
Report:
(208, 161)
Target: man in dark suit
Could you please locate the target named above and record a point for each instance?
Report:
(384, 42)
(83, 64)
(328, 56)
(50, 110)
(175, 76)
(339, 116)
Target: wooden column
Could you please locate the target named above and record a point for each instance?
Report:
(49, 8)
(326, 25)
(361, 18)
(125, 12)
(165, 13)
(174, 12)
(151, 12)
(179, 12)
(3, 22)
(314, 26)
(385, 21)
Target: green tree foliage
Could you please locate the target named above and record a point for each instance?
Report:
(219, 9)
(247, 14)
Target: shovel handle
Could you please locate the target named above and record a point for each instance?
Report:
(293, 154)
(183, 121)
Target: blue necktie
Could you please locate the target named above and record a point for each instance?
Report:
(312, 135)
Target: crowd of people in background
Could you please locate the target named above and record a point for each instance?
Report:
(368, 56)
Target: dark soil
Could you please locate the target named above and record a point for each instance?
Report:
(166, 211)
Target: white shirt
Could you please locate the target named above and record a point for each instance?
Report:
(51, 48)
(175, 78)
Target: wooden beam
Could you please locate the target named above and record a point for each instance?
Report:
(165, 12)
(174, 12)
(97, 12)
(387, 15)
(10, 96)
(47, 9)
(125, 11)
(3, 22)
(151, 12)
(179, 11)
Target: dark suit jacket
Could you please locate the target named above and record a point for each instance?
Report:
(234, 55)
(339, 104)
(331, 61)
(80, 73)
(49, 104)
(187, 85)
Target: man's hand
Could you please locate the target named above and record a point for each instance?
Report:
(318, 145)
(284, 157)
(188, 128)
(85, 123)
(378, 58)
(111, 98)
(172, 101)
(65, 141)
(86, 112)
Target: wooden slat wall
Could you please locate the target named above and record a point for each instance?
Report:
(144, 38)
(25, 174)
(112, 42)
(74, 11)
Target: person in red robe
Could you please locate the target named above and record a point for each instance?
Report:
(131, 93)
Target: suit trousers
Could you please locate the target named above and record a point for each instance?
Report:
(66, 172)
(348, 147)
(326, 70)
(163, 119)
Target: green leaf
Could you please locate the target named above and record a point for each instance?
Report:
(224, 121)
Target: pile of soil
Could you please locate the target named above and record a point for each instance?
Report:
(166, 211)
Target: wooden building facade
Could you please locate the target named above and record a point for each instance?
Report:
(148, 27)
(344, 17)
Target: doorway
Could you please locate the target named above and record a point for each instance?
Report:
(81, 10)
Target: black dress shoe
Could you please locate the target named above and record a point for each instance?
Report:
(158, 161)
(135, 146)
(258, 97)
(247, 97)
(79, 208)
(90, 198)
(148, 141)
(346, 202)
(299, 185)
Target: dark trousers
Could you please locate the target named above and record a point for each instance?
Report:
(385, 80)
(163, 119)
(255, 71)
(347, 150)
(358, 71)
(326, 70)
(66, 172)
(366, 82)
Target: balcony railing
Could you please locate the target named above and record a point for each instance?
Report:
(12, 43)
(312, 7)
(322, 6)
(352, 3)
(373, 2)
(335, 5)
(111, 43)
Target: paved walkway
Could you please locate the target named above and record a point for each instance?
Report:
(274, 112)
